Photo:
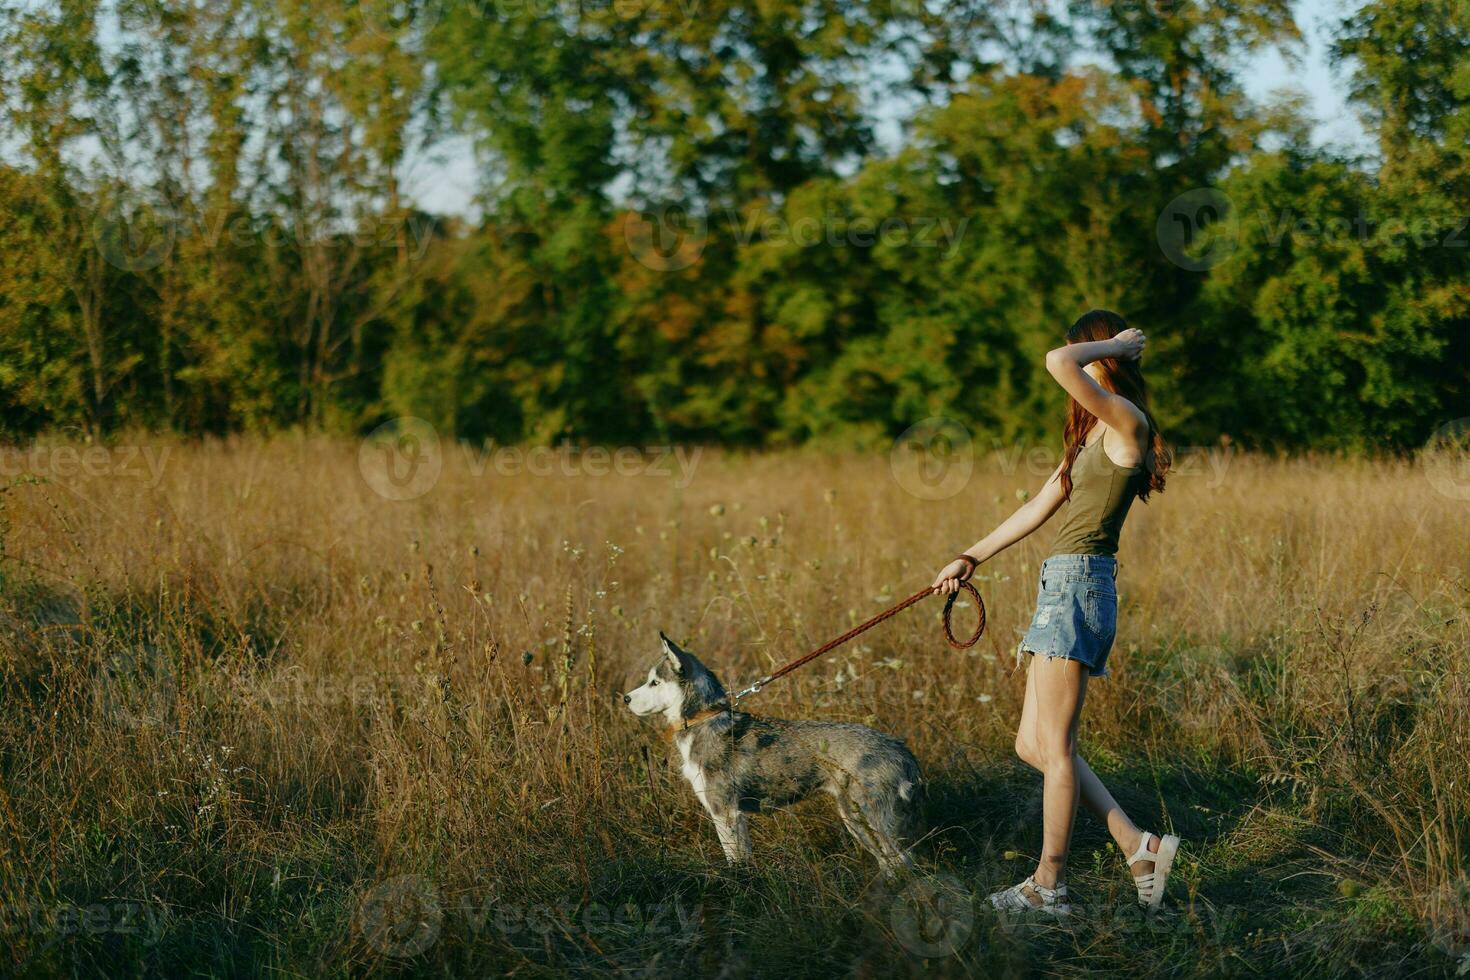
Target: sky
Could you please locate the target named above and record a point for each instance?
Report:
(444, 182)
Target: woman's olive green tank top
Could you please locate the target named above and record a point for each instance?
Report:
(1102, 492)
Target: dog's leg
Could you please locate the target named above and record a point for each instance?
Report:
(741, 826)
(898, 857)
(874, 828)
(887, 825)
(858, 826)
(733, 830)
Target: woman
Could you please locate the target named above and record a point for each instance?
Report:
(1113, 454)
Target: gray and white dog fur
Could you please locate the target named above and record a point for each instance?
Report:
(739, 764)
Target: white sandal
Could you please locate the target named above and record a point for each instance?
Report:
(1151, 886)
(1013, 899)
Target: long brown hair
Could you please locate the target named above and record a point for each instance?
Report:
(1123, 378)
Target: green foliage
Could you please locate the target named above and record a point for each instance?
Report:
(689, 231)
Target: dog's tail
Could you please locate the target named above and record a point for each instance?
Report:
(911, 783)
(911, 791)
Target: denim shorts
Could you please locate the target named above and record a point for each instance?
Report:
(1076, 611)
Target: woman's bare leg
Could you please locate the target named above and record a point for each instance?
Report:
(1060, 686)
(1046, 739)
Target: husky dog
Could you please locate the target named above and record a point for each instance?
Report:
(739, 764)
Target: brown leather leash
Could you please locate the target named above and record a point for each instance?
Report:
(886, 614)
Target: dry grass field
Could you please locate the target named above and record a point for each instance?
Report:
(256, 719)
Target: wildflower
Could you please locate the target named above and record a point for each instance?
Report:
(718, 510)
(985, 699)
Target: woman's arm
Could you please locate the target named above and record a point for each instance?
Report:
(1066, 363)
(1026, 518)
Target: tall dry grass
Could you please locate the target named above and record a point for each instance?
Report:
(259, 720)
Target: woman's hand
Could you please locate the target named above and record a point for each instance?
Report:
(951, 575)
(1130, 344)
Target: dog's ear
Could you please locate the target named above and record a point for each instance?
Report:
(673, 653)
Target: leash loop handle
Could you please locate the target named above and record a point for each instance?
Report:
(979, 608)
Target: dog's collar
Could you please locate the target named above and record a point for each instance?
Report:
(698, 718)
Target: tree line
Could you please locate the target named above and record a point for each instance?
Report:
(724, 221)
